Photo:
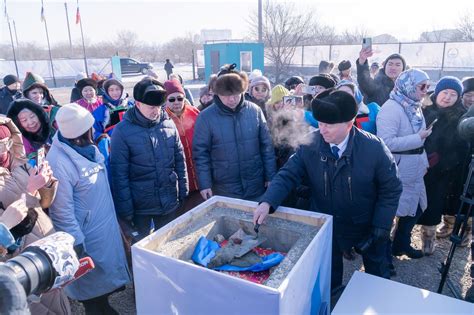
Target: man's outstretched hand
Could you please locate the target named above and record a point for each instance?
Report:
(206, 193)
(261, 213)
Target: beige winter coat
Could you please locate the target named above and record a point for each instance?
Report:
(12, 184)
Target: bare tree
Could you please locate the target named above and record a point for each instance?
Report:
(180, 49)
(322, 34)
(127, 42)
(466, 26)
(353, 36)
(283, 30)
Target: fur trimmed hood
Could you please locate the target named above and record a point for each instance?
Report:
(17, 106)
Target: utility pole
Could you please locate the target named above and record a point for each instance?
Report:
(260, 22)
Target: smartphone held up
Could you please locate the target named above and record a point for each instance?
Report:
(293, 101)
(367, 43)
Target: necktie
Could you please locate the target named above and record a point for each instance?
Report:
(335, 151)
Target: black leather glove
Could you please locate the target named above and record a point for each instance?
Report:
(380, 235)
(377, 236)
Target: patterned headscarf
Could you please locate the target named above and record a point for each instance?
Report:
(404, 93)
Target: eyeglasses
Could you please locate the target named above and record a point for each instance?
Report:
(5, 145)
(424, 86)
(173, 99)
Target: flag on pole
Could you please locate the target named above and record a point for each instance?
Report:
(78, 14)
(43, 18)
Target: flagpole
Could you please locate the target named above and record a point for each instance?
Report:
(78, 16)
(13, 46)
(49, 46)
(68, 28)
(16, 35)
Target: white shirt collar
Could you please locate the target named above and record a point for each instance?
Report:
(342, 146)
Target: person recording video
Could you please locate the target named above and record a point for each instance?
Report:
(24, 193)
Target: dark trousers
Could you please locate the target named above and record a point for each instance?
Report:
(402, 238)
(98, 306)
(144, 224)
(375, 263)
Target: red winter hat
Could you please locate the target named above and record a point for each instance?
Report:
(4, 132)
(173, 86)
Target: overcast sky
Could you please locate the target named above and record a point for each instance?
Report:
(161, 20)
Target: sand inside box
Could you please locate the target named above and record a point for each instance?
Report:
(282, 235)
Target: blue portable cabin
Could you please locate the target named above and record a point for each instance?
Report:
(247, 55)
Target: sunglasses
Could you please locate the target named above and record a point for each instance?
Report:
(424, 86)
(173, 99)
(260, 89)
(5, 145)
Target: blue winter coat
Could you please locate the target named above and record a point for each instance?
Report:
(109, 114)
(233, 151)
(147, 166)
(361, 190)
(84, 208)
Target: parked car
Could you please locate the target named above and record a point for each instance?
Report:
(130, 65)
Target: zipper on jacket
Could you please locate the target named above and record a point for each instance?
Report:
(349, 181)
(325, 183)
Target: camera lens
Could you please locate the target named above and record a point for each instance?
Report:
(34, 270)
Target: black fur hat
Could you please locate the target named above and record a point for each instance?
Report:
(323, 79)
(344, 65)
(334, 107)
(150, 92)
(82, 83)
(468, 85)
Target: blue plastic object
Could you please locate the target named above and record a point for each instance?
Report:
(205, 250)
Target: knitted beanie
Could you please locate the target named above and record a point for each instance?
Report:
(73, 120)
(10, 79)
(260, 80)
(173, 86)
(448, 82)
(278, 92)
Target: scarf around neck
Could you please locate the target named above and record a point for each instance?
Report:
(404, 93)
(87, 152)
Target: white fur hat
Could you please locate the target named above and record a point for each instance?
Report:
(73, 120)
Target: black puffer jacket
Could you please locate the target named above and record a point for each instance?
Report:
(147, 166)
(233, 151)
(447, 154)
(361, 191)
(377, 89)
(6, 97)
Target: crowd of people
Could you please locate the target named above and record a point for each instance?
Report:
(377, 149)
